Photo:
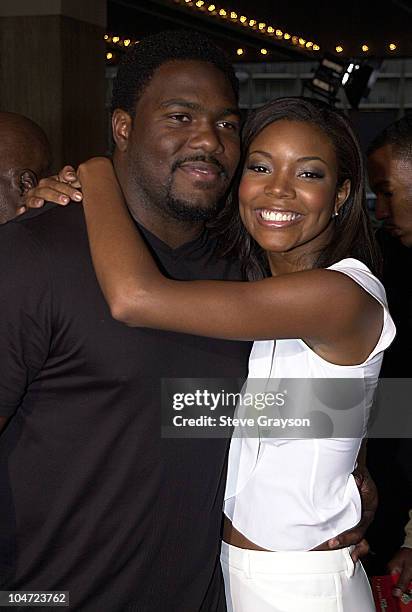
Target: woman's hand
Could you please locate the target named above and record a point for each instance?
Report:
(60, 189)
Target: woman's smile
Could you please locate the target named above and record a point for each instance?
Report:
(277, 218)
(289, 192)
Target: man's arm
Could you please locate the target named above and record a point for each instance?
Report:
(25, 319)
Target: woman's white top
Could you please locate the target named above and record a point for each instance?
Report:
(293, 494)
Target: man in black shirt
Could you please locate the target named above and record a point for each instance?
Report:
(93, 501)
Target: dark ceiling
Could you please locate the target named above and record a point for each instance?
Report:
(328, 23)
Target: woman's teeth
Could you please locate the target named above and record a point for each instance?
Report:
(271, 215)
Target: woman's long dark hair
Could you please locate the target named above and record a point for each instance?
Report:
(352, 234)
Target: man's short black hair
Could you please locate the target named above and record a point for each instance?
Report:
(142, 60)
(399, 136)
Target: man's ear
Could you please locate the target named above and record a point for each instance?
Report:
(121, 127)
(342, 195)
(27, 180)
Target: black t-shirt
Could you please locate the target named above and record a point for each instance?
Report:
(397, 280)
(93, 501)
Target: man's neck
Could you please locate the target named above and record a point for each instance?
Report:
(171, 231)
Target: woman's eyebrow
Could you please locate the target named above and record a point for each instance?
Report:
(265, 153)
(312, 158)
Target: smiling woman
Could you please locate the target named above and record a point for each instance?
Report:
(288, 195)
(301, 212)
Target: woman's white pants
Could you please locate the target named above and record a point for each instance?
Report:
(315, 581)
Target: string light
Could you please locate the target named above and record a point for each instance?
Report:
(221, 12)
(269, 30)
(118, 41)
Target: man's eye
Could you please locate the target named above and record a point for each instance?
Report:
(228, 125)
(182, 118)
(388, 194)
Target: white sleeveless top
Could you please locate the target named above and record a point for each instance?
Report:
(293, 494)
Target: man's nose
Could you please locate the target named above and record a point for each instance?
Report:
(207, 138)
(382, 208)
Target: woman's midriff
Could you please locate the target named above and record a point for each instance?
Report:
(232, 536)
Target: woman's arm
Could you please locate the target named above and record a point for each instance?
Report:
(321, 306)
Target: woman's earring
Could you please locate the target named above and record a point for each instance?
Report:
(335, 214)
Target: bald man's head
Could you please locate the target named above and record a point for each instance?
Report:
(25, 157)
